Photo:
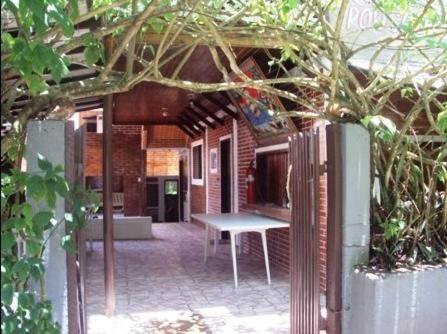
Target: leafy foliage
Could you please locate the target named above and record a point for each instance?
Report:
(26, 229)
(409, 224)
(409, 217)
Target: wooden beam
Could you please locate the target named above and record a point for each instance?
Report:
(193, 113)
(188, 125)
(90, 107)
(155, 122)
(89, 103)
(221, 105)
(238, 39)
(233, 101)
(199, 106)
(107, 170)
(185, 130)
(192, 121)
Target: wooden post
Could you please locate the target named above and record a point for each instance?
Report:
(107, 171)
(334, 230)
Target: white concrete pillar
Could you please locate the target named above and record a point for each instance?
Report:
(48, 139)
(355, 151)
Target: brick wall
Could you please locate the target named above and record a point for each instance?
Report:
(159, 163)
(214, 201)
(129, 163)
(198, 193)
(277, 239)
(165, 136)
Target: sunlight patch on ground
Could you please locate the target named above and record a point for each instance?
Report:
(170, 322)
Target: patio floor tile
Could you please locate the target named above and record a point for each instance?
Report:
(164, 286)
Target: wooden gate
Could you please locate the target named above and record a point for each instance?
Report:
(305, 253)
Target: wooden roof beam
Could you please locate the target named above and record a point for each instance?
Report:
(192, 121)
(186, 123)
(221, 105)
(185, 130)
(232, 100)
(89, 107)
(199, 106)
(196, 115)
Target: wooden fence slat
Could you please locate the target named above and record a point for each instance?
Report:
(304, 234)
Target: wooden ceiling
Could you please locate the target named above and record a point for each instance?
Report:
(151, 103)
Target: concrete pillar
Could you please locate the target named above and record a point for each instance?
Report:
(355, 151)
(48, 139)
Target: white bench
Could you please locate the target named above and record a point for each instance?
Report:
(124, 228)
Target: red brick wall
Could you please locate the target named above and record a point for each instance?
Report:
(277, 239)
(129, 163)
(198, 193)
(214, 201)
(165, 136)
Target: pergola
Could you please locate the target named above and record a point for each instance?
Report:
(199, 63)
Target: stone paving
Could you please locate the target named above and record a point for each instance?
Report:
(164, 286)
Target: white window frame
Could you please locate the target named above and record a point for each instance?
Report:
(197, 182)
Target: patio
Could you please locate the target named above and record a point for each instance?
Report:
(163, 286)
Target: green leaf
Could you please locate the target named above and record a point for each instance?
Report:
(61, 187)
(8, 240)
(36, 84)
(37, 269)
(68, 243)
(157, 24)
(35, 187)
(27, 212)
(16, 223)
(382, 127)
(58, 69)
(26, 300)
(92, 54)
(43, 163)
(441, 121)
(33, 247)
(8, 41)
(21, 269)
(62, 19)
(41, 221)
(7, 294)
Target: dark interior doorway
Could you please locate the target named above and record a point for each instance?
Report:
(182, 184)
(225, 175)
(171, 194)
(152, 202)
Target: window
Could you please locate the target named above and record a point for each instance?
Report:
(271, 177)
(91, 125)
(197, 162)
(171, 187)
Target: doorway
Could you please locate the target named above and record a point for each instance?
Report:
(171, 199)
(225, 175)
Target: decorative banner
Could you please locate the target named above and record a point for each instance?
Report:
(260, 108)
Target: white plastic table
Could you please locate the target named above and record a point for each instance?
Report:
(237, 223)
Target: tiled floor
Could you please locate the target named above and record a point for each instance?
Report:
(163, 286)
